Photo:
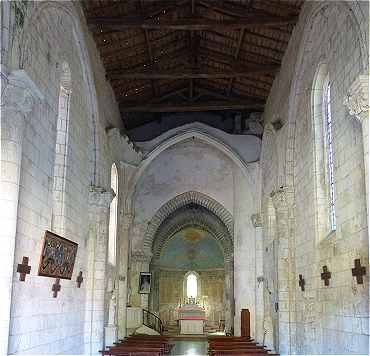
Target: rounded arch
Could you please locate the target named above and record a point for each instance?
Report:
(74, 13)
(182, 200)
(192, 215)
(190, 134)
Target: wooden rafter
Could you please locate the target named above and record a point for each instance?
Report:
(203, 73)
(150, 52)
(185, 55)
(189, 24)
(219, 105)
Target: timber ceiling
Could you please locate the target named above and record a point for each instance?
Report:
(190, 55)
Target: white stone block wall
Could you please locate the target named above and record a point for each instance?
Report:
(53, 32)
(333, 319)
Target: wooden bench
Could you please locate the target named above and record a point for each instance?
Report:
(234, 345)
(140, 345)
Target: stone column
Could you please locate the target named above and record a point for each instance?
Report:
(140, 261)
(229, 295)
(257, 223)
(154, 295)
(19, 97)
(357, 102)
(99, 202)
(282, 199)
(123, 253)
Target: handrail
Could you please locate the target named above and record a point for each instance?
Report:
(152, 321)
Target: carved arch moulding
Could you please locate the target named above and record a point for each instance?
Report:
(191, 197)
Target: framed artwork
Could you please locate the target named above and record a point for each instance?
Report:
(145, 280)
(58, 256)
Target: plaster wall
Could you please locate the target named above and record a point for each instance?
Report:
(186, 166)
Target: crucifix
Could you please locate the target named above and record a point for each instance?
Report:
(79, 279)
(359, 271)
(56, 287)
(23, 269)
(326, 275)
(301, 282)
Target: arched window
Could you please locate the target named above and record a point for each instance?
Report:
(192, 286)
(323, 153)
(329, 154)
(61, 151)
(113, 217)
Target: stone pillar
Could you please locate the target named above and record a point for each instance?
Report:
(282, 199)
(154, 295)
(99, 202)
(357, 101)
(18, 99)
(139, 263)
(229, 295)
(123, 253)
(257, 223)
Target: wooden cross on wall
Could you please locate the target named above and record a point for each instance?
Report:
(301, 282)
(79, 279)
(359, 271)
(326, 275)
(23, 269)
(56, 287)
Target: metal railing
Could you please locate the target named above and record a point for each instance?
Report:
(152, 321)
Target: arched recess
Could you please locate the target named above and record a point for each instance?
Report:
(74, 13)
(192, 215)
(193, 209)
(191, 197)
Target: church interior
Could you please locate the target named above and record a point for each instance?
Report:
(184, 177)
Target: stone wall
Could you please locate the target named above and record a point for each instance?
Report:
(38, 38)
(322, 319)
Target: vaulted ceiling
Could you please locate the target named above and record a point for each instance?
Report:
(165, 56)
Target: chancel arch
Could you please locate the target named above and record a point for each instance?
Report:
(192, 240)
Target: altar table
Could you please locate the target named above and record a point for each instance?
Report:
(191, 317)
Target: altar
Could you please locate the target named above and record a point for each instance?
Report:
(191, 318)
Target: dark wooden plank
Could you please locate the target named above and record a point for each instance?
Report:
(186, 73)
(193, 107)
(189, 24)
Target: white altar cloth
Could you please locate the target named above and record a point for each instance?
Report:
(191, 317)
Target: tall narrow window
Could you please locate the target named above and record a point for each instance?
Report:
(329, 156)
(61, 151)
(113, 217)
(191, 286)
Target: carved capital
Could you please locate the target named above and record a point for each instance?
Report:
(20, 93)
(282, 197)
(99, 197)
(256, 220)
(357, 98)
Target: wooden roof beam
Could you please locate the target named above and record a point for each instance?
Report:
(220, 105)
(235, 72)
(189, 24)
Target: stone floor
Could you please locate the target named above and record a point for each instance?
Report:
(190, 347)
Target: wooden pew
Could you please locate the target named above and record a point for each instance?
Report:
(236, 345)
(140, 345)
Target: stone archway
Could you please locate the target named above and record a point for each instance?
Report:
(193, 209)
(191, 197)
